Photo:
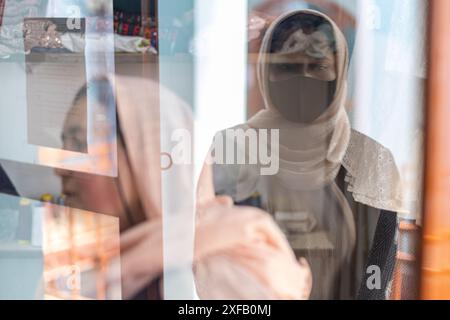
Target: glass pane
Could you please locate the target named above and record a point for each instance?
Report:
(53, 252)
(49, 49)
(332, 144)
(261, 149)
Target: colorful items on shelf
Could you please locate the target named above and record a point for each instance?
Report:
(135, 25)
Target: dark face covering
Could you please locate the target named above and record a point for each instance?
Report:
(301, 99)
(302, 73)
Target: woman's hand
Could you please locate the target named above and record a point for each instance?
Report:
(240, 253)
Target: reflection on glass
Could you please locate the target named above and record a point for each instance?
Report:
(55, 252)
(48, 87)
(97, 91)
(334, 185)
(81, 255)
(48, 51)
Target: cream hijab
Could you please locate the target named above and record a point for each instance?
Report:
(312, 154)
(239, 253)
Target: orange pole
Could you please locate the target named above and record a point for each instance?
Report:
(435, 282)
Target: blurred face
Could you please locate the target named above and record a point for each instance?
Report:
(90, 192)
(302, 85)
(97, 193)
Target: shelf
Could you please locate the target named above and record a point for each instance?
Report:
(120, 57)
(16, 250)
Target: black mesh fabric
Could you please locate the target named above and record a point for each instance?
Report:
(5, 184)
(383, 255)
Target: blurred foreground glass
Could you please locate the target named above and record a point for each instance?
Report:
(385, 103)
(48, 49)
(55, 252)
(211, 62)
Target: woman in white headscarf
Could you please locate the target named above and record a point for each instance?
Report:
(333, 182)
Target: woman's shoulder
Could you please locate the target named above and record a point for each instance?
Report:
(372, 174)
(363, 150)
